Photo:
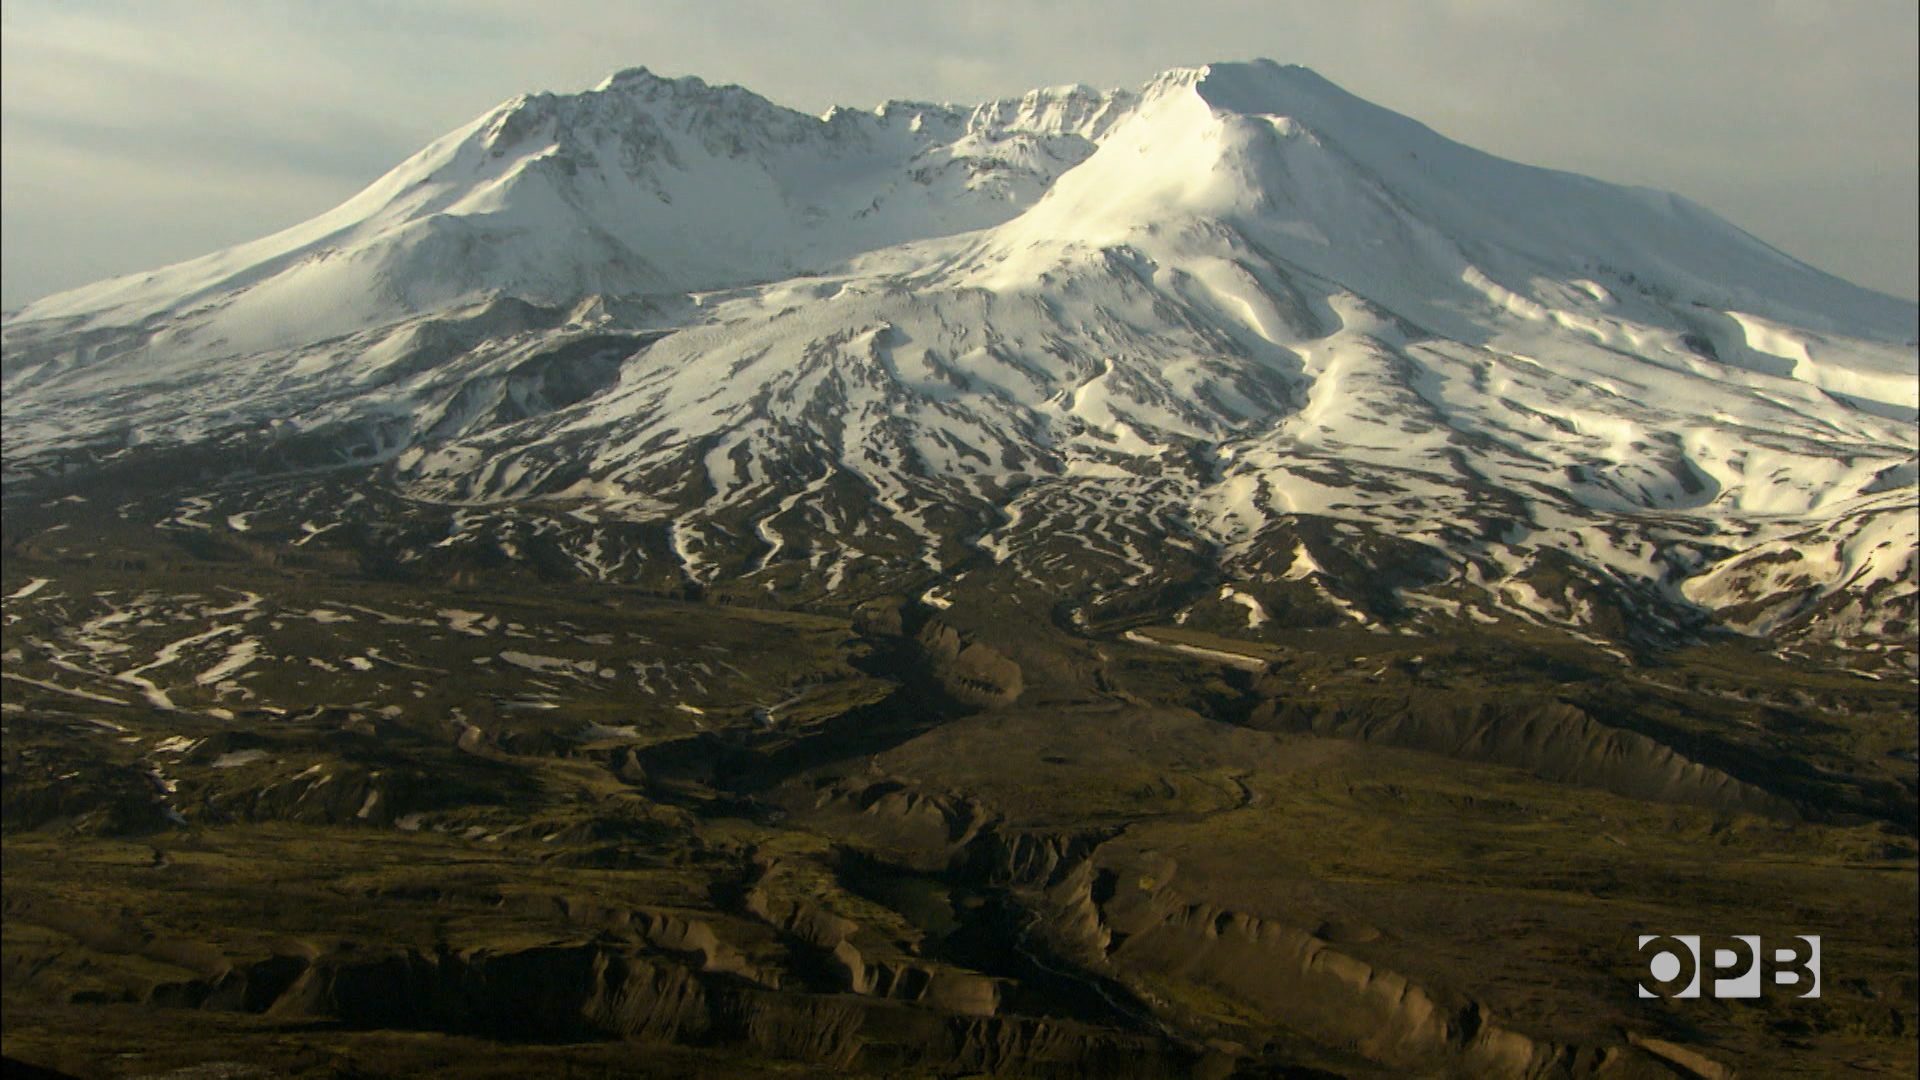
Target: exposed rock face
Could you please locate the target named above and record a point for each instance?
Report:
(1291, 975)
(1550, 739)
(970, 670)
(897, 1015)
(1129, 922)
(585, 991)
(864, 964)
(909, 981)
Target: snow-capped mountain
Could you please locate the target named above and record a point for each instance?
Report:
(1237, 347)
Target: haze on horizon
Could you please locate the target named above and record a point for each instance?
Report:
(139, 135)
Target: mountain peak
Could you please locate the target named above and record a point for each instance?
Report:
(644, 157)
(647, 83)
(637, 75)
(1237, 313)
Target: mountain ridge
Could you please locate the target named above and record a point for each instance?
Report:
(1239, 314)
(1243, 89)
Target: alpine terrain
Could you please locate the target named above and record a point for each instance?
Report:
(1215, 579)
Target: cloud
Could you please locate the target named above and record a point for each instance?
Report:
(1794, 119)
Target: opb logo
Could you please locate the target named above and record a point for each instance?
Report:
(1674, 969)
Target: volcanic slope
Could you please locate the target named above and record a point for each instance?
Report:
(1237, 347)
(1209, 581)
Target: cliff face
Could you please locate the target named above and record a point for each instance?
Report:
(1551, 739)
(1199, 967)
(582, 992)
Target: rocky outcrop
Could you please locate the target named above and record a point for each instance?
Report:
(906, 979)
(1031, 858)
(1146, 937)
(871, 968)
(1692, 1061)
(1550, 739)
(592, 991)
(1183, 955)
(179, 973)
(970, 671)
(558, 991)
(697, 939)
(1290, 975)
(911, 826)
(56, 792)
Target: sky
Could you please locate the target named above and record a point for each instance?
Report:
(137, 133)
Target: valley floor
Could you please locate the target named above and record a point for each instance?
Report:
(298, 819)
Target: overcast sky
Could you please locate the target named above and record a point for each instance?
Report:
(136, 133)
